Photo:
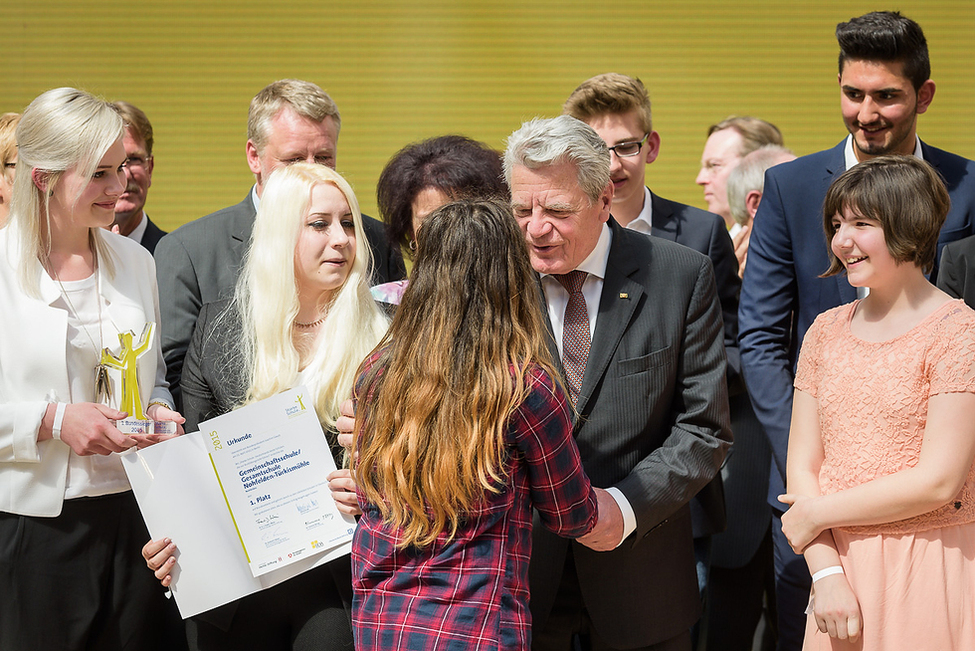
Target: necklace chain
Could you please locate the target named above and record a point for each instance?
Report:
(299, 324)
(103, 386)
(313, 324)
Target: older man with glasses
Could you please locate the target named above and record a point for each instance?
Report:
(130, 214)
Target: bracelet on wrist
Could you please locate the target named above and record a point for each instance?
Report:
(827, 571)
(58, 420)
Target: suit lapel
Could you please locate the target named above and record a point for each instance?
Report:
(834, 168)
(662, 224)
(617, 304)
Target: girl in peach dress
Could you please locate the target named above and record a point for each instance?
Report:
(880, 466)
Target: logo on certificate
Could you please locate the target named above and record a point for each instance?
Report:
(298, 408)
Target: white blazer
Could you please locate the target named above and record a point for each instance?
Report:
(33, 367)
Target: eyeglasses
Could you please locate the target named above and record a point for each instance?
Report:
(627, 149)
(136, 161)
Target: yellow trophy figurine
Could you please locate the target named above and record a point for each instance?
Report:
(127, 362)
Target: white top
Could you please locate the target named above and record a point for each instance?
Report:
(92, 475)
(34, 364)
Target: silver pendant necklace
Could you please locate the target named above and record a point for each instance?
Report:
(103, 383)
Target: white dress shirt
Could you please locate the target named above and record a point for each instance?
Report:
(644, 221)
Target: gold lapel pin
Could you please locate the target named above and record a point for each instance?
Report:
(624, 295)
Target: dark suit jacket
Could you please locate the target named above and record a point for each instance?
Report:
(705, 232)
(652, 421)
(782, 293)
(152, 235)
(956, 275)
(199, 263)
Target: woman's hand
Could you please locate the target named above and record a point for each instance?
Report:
(88, 428)
(160, 557)
(798, 523)
(740, 242)
(342, 485)
(156, 411)
(345, 425)
(836, 608)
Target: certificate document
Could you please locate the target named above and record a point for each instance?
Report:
(271, 460)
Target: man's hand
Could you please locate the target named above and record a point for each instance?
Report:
(608, 532)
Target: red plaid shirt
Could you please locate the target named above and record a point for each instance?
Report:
(471, 593)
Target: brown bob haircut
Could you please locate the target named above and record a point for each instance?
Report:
(903, 193)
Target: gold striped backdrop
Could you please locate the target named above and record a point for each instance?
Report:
(402, 71)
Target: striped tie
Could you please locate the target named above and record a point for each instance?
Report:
(575, 332)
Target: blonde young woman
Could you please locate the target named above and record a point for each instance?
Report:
(462, 429)
(880, 468)
(70, 529)
(302, 314)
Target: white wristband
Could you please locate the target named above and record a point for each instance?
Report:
(58, 419)
(827, 571)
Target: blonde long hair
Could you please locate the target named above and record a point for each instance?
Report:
(267, 298)
(434, 406)
(61, 129)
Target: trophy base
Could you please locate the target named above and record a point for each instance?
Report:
(139, 426)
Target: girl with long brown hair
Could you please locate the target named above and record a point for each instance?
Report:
(461, 429)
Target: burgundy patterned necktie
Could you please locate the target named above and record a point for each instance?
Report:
(575, 332)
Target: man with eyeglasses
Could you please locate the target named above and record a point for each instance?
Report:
(617, 107)
(130, 214)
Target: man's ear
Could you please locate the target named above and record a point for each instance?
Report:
(925, 95)
(653, 147)
(253, 158)
(752, 199)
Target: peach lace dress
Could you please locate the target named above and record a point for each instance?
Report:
(914, 578)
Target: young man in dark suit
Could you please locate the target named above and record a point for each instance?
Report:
(884, 80)
(645, 366)
(289, 121)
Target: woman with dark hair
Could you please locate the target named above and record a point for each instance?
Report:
(425, 175)
(462, 428)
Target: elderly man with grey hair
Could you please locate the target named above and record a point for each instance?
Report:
(637, 326)
(745, 185)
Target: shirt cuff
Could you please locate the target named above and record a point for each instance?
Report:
(629, 518)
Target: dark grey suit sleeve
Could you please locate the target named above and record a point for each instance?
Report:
(721, 251)
(951, 275)
(700, 436)
(198, 397)
(179, 306)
